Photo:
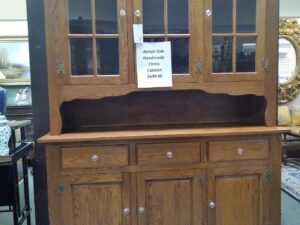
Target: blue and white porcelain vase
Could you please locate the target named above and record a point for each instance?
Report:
(5, 132)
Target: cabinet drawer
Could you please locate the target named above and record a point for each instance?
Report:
(168, 153)
(94, 156)
(238, 149)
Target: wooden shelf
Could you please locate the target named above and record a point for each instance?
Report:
(161, 133)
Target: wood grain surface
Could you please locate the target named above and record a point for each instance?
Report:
(238, 150)
(156, 154)
(162, 133)
(81, 157)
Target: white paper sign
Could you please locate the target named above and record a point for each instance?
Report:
(154, 68)
(138, 33)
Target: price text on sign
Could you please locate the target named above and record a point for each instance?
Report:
(154, 67)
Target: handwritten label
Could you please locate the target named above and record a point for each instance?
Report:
(154, 68)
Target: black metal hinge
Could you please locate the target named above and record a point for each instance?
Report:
(265, 65)
(270, 176)
(60, 68)
(201, 180)
(198, 67)
(61, 187)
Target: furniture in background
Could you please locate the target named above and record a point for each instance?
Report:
(205, 151)
(291, 147)
(289, 61)
(14, 187)
(23, 113)
(2, 100)
(289, 116)
(289, 86)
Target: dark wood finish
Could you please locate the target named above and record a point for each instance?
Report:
(40, 108)
(163, 108)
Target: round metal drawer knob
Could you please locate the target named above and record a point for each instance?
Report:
(240, 151)
(137, 13)
(122, 12)
(126, 211)
(95, 158)
(208, 12)
(169, 155)
(212, 205)
(141, 210)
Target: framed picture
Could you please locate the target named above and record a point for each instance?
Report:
(14, 61)
(14, 53)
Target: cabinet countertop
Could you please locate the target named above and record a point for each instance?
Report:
(159, 133)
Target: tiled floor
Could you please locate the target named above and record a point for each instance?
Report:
(290, 210)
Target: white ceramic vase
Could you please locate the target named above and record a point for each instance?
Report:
(5, 132)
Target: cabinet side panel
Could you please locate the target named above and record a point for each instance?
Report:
(271, 43)
(276, 147)
(53, 175)
(56, 25)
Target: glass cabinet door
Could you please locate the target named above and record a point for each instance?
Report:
(236, 37)
(97, 41)
(179, 22)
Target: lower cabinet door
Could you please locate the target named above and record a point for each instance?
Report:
(96, 199)
(238, 196)
(171, 198)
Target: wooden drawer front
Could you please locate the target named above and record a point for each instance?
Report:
(237, 150)
(94, 156)
(150, 154)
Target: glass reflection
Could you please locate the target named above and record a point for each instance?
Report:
(222, 54)
(81, 56)
(245, 54)
(180, 55)
(107, 56)
(106, 17)
(178, 16)
(246, 16)
(287, 60)
(80, 20)
(222, 16)
(153, 16)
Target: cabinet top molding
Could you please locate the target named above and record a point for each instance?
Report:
(162, 133)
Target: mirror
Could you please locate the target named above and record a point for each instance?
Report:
(288, 59)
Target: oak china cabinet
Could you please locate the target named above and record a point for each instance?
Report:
(206, 151)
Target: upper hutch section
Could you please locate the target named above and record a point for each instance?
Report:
(217, 46)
